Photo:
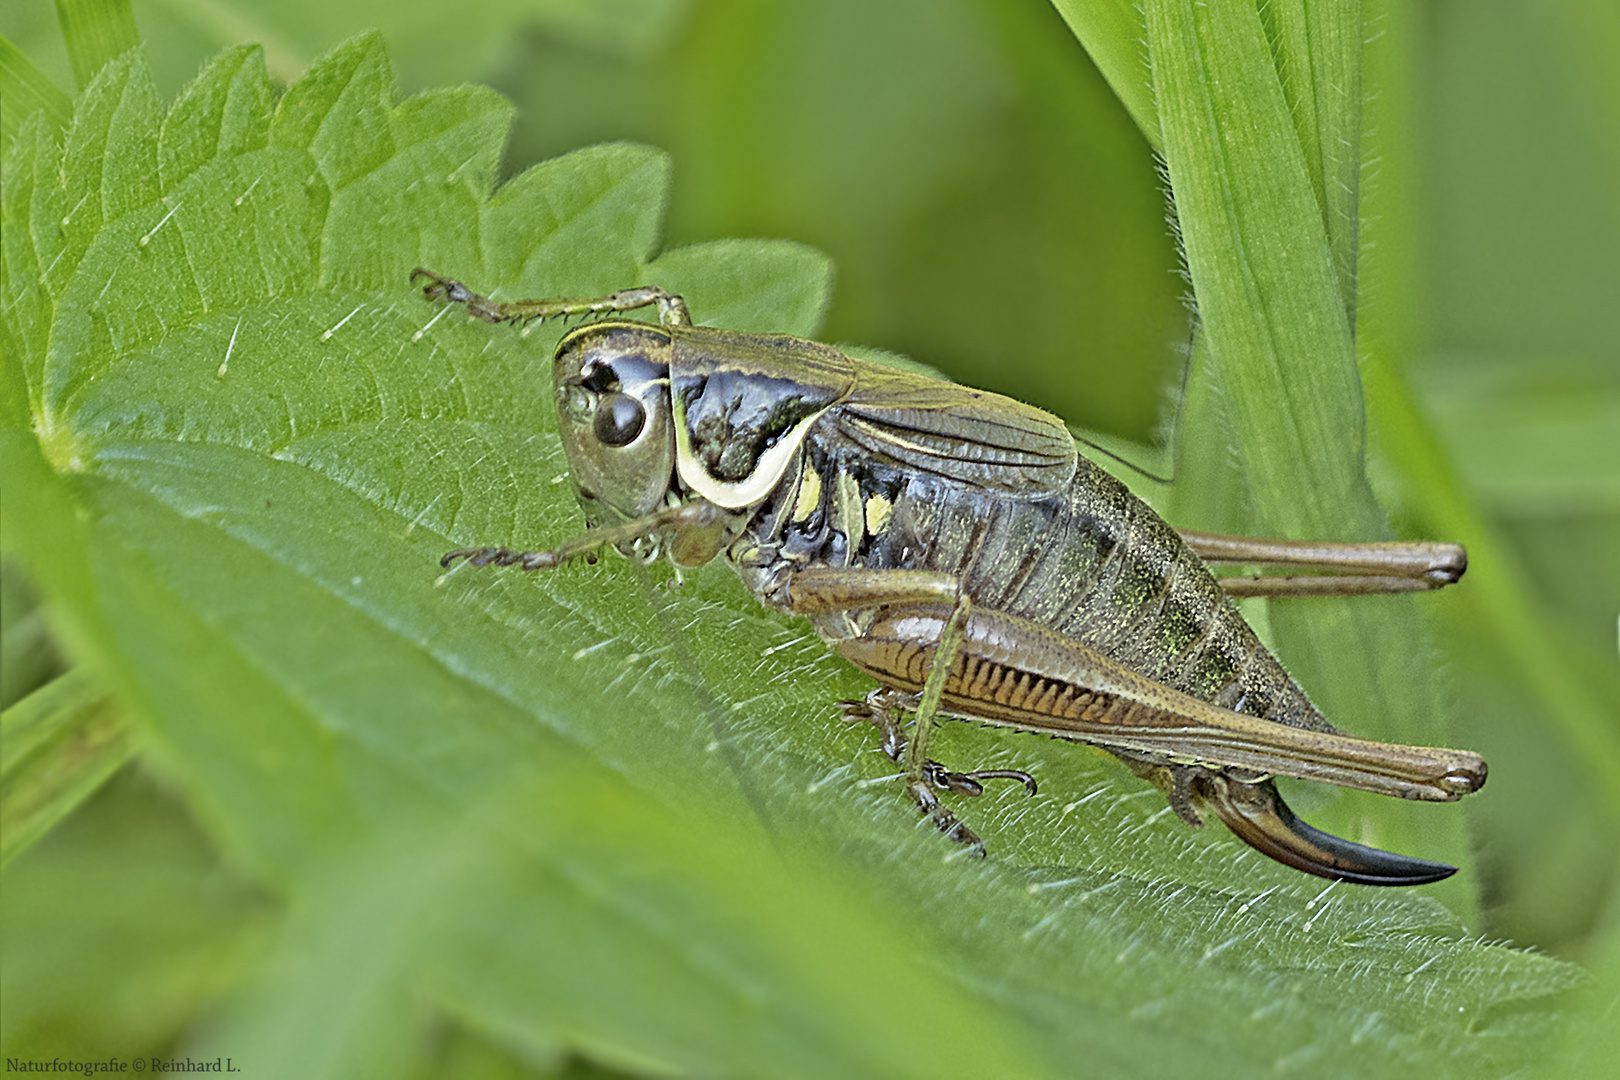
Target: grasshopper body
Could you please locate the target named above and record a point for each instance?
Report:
(953, 545)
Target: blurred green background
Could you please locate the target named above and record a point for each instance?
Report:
(992, 210)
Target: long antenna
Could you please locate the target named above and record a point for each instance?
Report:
(1129, 464)
(1175, 423)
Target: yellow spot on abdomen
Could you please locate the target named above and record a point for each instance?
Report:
(809, 496)
(878, 512)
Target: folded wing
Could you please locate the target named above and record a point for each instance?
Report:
(957, 432)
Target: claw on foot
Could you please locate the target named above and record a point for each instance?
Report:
(972, 783)
(443, 288)
(922, 792)
(1005, 774)
(881, 708)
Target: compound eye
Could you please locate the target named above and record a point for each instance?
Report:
(619, 419)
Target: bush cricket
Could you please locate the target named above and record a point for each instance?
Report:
(953, 545)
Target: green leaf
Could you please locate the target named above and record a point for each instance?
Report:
(663, 941)
(750, 284)
(583, 811)
(1592, 1041)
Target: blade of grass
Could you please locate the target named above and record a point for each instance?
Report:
(96, 31)
(1260, 262)
(24, 90)
(1317, 51)
(1113, 32)
(28, 658)
(1282, 364)
(60, 744)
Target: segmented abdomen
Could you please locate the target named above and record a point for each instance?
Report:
(1093, 563)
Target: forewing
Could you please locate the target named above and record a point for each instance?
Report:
(973, 436)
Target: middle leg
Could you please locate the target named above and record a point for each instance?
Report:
(883, 708)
